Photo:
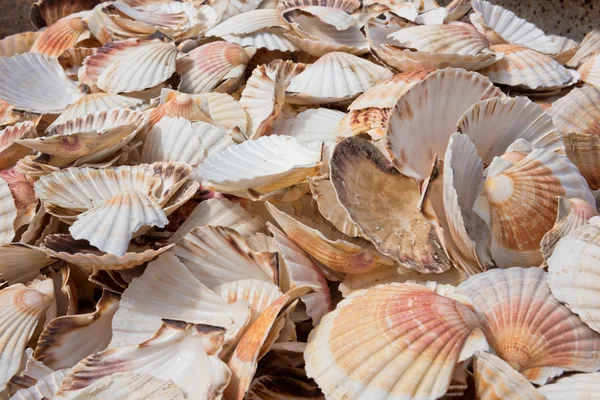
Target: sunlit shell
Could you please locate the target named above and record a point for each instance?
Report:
(578, 386)
(8, 213)
(338, 18)
(578, 111)
(60, 36)
(130, 65)
(47, 12)
(426, 335)
(513, 29)
(17, 44)
(573, 271)
(366, 185)
(250, 22)
(324, 194)
(217, 255)
(226, 110)
(23, 195)
(528, 69)
(45, 387)
(21, 307)
(174, 104)
(11, 152)
(81, 253)
(316, 125)
(572, 214)
(93, 103)
(494, 124)
(566, 48)
(414, 153)
(334, 77)
(214, 66)
(519, 204)
(21, 264)
(590, 71)
(263, 165)
(372, 121)
(167, 289)
(527, 327)
(590, 47)
(497, 380)
(182, 352)
(35, 82)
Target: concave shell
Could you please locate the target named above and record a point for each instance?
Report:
(513, 29)
(60, 36)
(130, 65)
(269, 39)
(316, 125)
(527, 69)
(578, 111)
(590, 71)
(573, 271)
(68, 339)
(107, 27)
(178, 351)
(366, 185)
(334, 77)
(47, 12)
(572, 214)
(17, 44)
(263, 165)
(45, 387)
(214, 66)
(217, 255)
(578, 386)
(36, 83)
(179, 140)
(392, 341)
(566, 48)
(583, 150)
(8, 213)
(284, 383)
(590, 47)
(11, 152)
(527, 327)
(519, 204)
(93, 103)
(323, 193)
(167, 289)
(413, 114)
(21, 307)
(494, 124)
(497, 380)
(21, 264)
(174, 104)
(250, 22)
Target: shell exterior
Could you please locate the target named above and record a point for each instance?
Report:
(270, 39)
(72, 59)
(36, 83)
(250, 22)
(590, 46)
(373, 121)
(566, 48)
(21, 264)
(11, 152)
(226, 111)
(572, 272)
(515, 118)
(45, 387)
(93, 103)
(578, 111)
(521, 204)
(334, 77)
(60, 36)
(590, 71)
(17, 44)
(527, 327)
(583, 150)
(48, 12)
(316, 125)
(424, 336)
(286, 383)
(579, 386)
(23, 196)
(174, 104)
(8, 213)
(413, 114)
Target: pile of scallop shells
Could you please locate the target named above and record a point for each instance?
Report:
(298, 199)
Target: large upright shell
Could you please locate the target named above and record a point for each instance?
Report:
(573, 270)
(578, 111)
(394, 341)
(519, 204)
(414, 137)
(494, 124)
(60, 36)
(590, 71)
(384, 205)
(11, 152)
(36, 83)
(527, 327)
(334, 77)
(578, 386)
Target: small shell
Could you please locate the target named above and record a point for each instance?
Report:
(11, 152)
(45, 387)
(578, 386)
(21, 264)
(425, 336)
(573, 270)
(323, 192)
(578, 111)
(527, 327)
(60, 36)
(214, 66)
(590, 46)
(494, 124)
(334, 77)
(93, 103)
(412, 153)
(590, 71)
(174, 104)
(47, 12)
(178, 351)
(17, 44)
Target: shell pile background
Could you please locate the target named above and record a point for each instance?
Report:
(298, 199)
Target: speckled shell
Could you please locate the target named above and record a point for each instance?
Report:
(527, 327)
(425, 335)
(60, 36)
(578, 111)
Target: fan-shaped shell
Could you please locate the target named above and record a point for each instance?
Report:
(21, 264)
(11, 152)
(93, 103)
(334, 77)
(578, 386)
(226, 111)
(582, 150)
(316, 125)
(414, 153)
(578, 111)
(392, 341)
(23, 195)
(338, 18)
(527, 327)
(174, 104)
(373, 121)
(8, 213)
(566, 48)
(590, 46)
(250, 22)
(17, 44)
(590, 71)
(60, 36)
(323, 193)
(269, 39)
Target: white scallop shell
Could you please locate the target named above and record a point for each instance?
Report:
(8, 213)
(316, 125)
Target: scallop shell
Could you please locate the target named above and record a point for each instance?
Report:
(23, 195)
(107, 27)
(130, 65)
(169, 22)
(578, 111)
(323, 193)
(175, 104)
(578, 386)
(72, 59)
(21, 308)
(47, 12)
(217, 255)
(372, 121)
(60, 36)
(11, 152)
(167, 289)
(94, 103)
(263, 165)
(527, 327)
(178, 351)
(179, 140)
(21, 264)
(497, 380)
(17, 44)
(250, 22)
(366, 185)
(69, 339)
(514, 118)
(590, 71)
(572, 214)
(335, 17)
(344, 352)
(582, 150)
(573, 270)
(214, 66)
(590, 46)
(226, 111)
(269, 39)
(334, 77)
(32, 371)
(527, 69)
(8, 213)
(566, 48)
(512, 29)
(348, 6)
(413, 114)
(316, 125)
(45, 387)
(519, 204)
(36, 83)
